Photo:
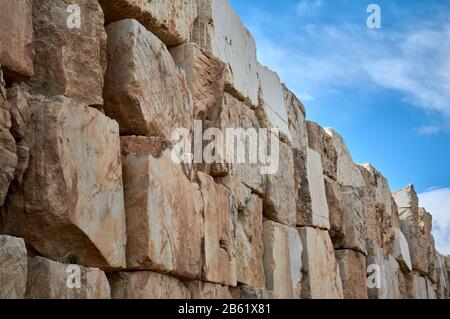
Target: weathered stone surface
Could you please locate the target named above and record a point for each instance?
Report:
(279, 199)
(297, 123)
(219, 264)
(48, 279)
(400, 250)
(207, 290)
(348, 173)
(431, 293)
(13, 268)
(322, 143)
(146, 285)
(164, 222)
(8, 157)
(249, 244)
(390, 273)
(171, 21)
(71, 207)
(319, 216)
(250, 293)
(272, 111)
(336, 209)
(144, 90)
(220, 31)
(322, 279)
(352, 270)
(282, 260)
(69, 61)
(16, 38)
(442, 287)
(205, 76)
(354, 226)
(417, 286)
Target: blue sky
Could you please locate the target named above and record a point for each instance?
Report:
(387, 91)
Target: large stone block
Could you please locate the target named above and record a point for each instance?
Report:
(16, 38)
(69, 61)
(219, 264)
(319, 216)
(13, 268)
(282, 260)
(322, 279)
(71, 206)
(220, 31)
(352, 270)
(146, 285)
(399, 249)
(272, 110)
(205, 76)
(442, 286)
(279, 198)
(145, 92)
(336, 209)
(164, 220)
(322, 143)
(250, 293)
(171, 21)
(297, 122)
(417, 286)
(207, 290)
(48, 279)
(348, 173)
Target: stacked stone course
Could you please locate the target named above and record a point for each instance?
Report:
(87, 177)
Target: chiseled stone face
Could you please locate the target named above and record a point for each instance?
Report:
(13, 268)
(48, 279)
(219, 264)
(282, 260)
(322, 279)
(16, 38)
(145, 92)
(400, 249)
(207, 290)
(164, 219)
(146, 285)
(71, 207)
(220, 31)
(205, 76)
(352, 270)
(171, 21)
(69, 61)
(296, 117)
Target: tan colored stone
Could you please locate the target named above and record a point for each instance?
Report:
(220, 31)
(205, 76)
(48, 279)
(282, 260)
(165, 226)
(250, 293)
(322, 279)
(13, 268)
(279, 198)
(69, 62)
(249, 244)
(219, 264)
(16, 38)
(297, 123)
(20, 111)
(400, 250)
(71, 207)
(146, 285)
(352, 270)
(336, 209)
(417, 286)
(322, 143)
(442, 287)
(207, 290)
(171, 21)
(145, 92)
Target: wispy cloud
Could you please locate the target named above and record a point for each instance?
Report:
(429, 130)
(437, 202)
(308, 6)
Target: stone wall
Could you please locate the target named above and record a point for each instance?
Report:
(89, 186)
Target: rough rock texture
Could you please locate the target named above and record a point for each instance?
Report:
(400, 250)
(145, 92)
(71, 206)
(219, 264)
(220, 31)
(205, 76)
(282, 260)
(296, 117)
(13, 268)
(16, 38)
(164, 219)
(336, 210)
(250, 293)
(352, 270)
(321, 275)
(48, 279)
(171, 21)
(146, 285)
(322, 143)
(69, 61)
(207, 290)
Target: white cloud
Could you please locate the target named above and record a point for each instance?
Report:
(429, 130)
(437, 202)
(307, 6)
